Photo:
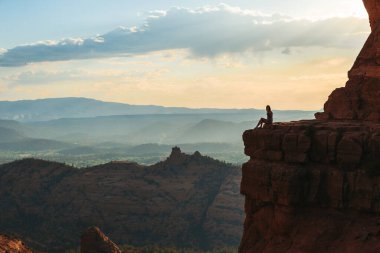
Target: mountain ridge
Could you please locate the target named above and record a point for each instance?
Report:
(80, 107)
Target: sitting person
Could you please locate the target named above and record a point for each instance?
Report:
(268, 120)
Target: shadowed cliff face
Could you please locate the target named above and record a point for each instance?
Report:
(184, 201)
(314, 186)
(360, 98)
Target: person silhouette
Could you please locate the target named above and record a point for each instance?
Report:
(268, 120)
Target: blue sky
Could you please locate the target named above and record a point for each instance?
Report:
(143, 49)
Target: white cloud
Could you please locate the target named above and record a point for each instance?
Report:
(43, 42)
(206, 32)
(157, 14)
(98, 39)
(72, 41)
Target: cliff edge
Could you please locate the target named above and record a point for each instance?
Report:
(314, 186)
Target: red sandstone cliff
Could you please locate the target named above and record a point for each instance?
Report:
(314, 186)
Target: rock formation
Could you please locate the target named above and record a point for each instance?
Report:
(360, 98)
(94, 241)
(314, 186)
(184, 201)
(176, 156)
(12, 245)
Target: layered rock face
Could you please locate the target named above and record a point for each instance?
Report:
(184, 201)
(314, 186)
(360, 98)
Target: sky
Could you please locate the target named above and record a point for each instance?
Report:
(201, 53)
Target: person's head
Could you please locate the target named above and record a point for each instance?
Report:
(268, 108)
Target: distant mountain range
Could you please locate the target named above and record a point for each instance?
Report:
(72, 107)
(57, 108)
(88, 121)
(69, 129)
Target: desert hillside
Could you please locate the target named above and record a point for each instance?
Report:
(187, 201)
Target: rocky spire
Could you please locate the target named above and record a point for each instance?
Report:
(176, 152)
(176, 157)
(360, 98)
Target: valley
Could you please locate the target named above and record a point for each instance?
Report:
(86, 132)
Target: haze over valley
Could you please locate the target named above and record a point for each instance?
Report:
(85, 132)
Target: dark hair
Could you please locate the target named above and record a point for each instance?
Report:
(268, 108)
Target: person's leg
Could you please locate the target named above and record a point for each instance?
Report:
(265, 121)
(260, 123)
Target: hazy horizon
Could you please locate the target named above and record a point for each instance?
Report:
(125, 103)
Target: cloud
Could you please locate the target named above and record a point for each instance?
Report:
(48, 77)
(205, 32)
(286, 51)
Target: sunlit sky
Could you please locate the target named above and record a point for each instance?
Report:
(231, 54)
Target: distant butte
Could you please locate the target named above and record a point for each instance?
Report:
(360, 98)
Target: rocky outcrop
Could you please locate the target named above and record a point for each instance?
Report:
(312, 186)
(184, 201)
(360, 98)
(12, 245)
(345, 145)
(94, 241)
